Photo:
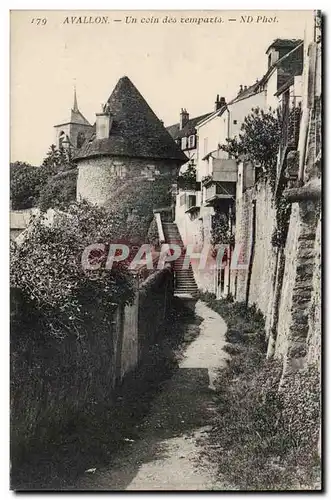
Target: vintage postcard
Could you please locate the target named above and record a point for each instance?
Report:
(165, 247)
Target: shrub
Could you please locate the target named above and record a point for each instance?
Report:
(47, 267)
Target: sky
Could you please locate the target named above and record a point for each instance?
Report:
(174, 65)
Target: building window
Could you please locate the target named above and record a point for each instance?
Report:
(191, 202)
(62, 138)
(269, 60)
(80, 139)
(120, 170)
(235, 122)
(182, 199)
(184, 142)
(191, 141)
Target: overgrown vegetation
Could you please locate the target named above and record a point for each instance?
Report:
(59, 188)
(47, 267)
(188, 179)
(265, 436)
(62, 325)
(153, 234)
(221, 233)
(136, 201)
(289, 142)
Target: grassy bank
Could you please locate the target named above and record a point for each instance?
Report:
(263, 438)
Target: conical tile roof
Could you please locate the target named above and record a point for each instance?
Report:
(135, 132)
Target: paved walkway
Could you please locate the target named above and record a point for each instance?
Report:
(167, 455)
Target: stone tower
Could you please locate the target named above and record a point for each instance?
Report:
(129, 141)
(73, 131)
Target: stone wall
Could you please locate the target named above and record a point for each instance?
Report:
(37, 403)
(96, 175)
(259, 258)
(292, 305)
(299, 328)
(315, 313)
(155, 300)
(299, 317)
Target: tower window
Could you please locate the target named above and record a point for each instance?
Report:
(62, 137)
(120, 170)
(80, 139)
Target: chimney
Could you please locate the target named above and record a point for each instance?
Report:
(220, 102)
(183, 118)
(245, 87)
(240, 89)
(104, 122)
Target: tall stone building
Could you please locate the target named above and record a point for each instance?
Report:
(74, 131)
(128, 141)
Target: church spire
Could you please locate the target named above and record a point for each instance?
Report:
(75, 108)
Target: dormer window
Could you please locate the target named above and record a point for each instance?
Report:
(184, 142)
(191, 141)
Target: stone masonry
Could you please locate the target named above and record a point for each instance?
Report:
(96, 175)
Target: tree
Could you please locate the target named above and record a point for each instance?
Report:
(188, 179)
(25, 184)
(258, 140)
(52, 185)
(58, 160)
(59, 189)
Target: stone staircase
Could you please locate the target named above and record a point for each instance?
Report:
(185, 285)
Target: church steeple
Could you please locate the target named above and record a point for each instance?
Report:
(73, 131)
(75, 107)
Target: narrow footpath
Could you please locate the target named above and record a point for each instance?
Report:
(167, 455)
